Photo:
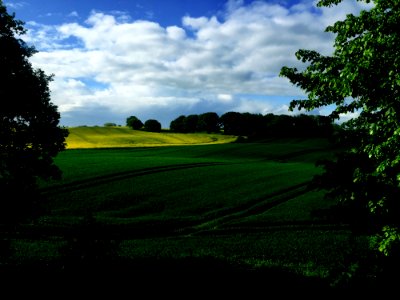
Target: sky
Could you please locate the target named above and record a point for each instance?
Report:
(159, 59)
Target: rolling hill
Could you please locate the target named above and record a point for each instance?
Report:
(111, 137)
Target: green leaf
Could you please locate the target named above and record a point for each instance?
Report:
(365, 66)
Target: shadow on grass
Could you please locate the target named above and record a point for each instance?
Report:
(191, 270)
(90, 254)
(201, 273)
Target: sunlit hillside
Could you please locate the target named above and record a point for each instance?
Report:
(108, 137)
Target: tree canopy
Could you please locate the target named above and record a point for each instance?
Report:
(207, 122)
(134, 122)
(152, 125)
(256, 126)
(362, 76)
(30, 135)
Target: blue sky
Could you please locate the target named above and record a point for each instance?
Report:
(163, 58)
(164, 12)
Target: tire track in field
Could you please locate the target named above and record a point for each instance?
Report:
(213, 224)
(105, 179)
(251, 208)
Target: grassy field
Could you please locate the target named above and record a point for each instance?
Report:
(111, 137)
(235, 205)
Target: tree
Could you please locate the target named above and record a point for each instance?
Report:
(152, 126)
(232, 122)
(191, 122)
(208, 122)
(30, 136)
(178, 125)
(362, 76)
(134, 123)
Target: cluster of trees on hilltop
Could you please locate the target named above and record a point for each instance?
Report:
(150, 125)
(207, 122)
(255, 125)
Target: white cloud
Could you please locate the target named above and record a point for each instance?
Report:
(176, 33)
(194, 23)
(73, 14)
(225, 97)
(142, 66)
(348, 116)
(254, 106)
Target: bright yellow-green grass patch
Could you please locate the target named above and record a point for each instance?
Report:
(110, 137)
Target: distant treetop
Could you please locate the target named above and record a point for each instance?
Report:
(134, 123)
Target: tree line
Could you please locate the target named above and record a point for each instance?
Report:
(255, 125)
(150, 125)
(247, 124)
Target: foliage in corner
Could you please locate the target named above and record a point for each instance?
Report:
(30, 135)
(362, 77)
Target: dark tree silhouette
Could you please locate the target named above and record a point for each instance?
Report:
(110, 124)
(191, 122)
(178, 125)
(134, 123)
(208, 122)
(257, 126)
(30, 136)
(152, 126)
(231, 123)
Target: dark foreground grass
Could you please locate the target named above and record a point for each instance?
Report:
(229, 208)
(307, 258)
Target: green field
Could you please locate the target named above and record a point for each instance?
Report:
(245, 205)
(177, 183)
(112, 137)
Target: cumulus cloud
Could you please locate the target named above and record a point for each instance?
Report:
(224, 97)
(140, 67)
